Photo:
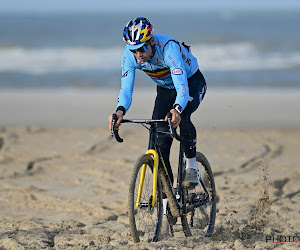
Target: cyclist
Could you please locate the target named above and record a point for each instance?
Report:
(180, 87)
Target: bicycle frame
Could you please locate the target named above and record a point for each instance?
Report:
(154, 150)
(183, 201)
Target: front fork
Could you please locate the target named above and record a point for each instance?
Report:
(155, 173)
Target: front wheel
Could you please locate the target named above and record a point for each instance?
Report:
(144, 220)
(201, 219)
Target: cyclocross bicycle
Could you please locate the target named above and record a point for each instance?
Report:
(150, 181)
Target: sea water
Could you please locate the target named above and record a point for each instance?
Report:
(235, 49)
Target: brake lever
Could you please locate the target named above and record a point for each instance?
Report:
(169, 115)
(173, 130)
(112, 125)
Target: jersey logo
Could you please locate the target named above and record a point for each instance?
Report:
(177, 71)
(172, 61)
(125, 74)
(123, 63)
(133, 28)
(188, 61)
(183, 90)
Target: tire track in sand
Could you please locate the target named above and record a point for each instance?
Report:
(271, 151)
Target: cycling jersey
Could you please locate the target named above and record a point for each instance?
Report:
(170, 67)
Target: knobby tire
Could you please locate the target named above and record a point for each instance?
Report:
(145, 222)
(204, 217)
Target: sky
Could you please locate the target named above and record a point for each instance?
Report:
(135, 5)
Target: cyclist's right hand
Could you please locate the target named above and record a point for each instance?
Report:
(119, 114)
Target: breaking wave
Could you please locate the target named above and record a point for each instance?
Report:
(216, 57)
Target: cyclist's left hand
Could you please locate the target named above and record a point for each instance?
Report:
(118, 122)
(176, 119)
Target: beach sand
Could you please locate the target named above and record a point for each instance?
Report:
(64, 181)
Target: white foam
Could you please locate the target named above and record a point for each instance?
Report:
(243, 56)
(46, 60)
(220, 57)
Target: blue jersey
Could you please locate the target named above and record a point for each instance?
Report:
(170, 67)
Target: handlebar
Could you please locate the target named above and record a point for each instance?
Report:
(172, 133)
(115, 132)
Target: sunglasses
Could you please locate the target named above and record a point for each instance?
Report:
(141, 49)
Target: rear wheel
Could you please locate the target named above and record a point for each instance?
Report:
(201, 220)
(144, 220)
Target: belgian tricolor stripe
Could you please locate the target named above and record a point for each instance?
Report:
(159, 73)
